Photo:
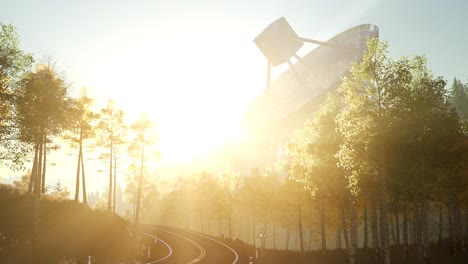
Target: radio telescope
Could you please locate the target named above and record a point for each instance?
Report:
(290, 99)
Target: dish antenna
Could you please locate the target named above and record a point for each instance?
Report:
(279, 43)
(293, 96)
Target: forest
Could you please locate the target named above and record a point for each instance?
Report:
(383, 164)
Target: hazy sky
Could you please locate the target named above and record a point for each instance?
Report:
(192, 65)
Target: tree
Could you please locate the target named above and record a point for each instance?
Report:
(228, 183)
(313, 163)
(111, 131)
(459, 94)
(368, 95)
(81, 129)
(430, 143)
(149, 191)
(42, 110)
(13, 64)
(144, 137)
(256, 194)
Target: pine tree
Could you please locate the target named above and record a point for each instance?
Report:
(111, 132)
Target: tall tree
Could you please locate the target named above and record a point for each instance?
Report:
(111, 132)
(229, 183)
(459, 94)
(314, 164)
(42, 110)
(144, 138)
(365, 121)
(82, 128)
(43, 107)
(432, 132)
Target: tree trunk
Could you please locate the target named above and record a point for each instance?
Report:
(450, 219)
(425, 229)
(44, 164)
(288, 230)
(253, 233)
(440, 224)
(405, 228)
(248, 230)
(338, 236)
(32, 178)
(392, 228)
(383, 209)
(310, 239)
(114, 203)
(424, 215)
(140, 181)
(39, 168)
(353, 231)
(466, 226)
(416, 224)
(397, 224)
(77, 182)
(36, 219)
(343, 222)
(366, 234)
(322, 225)
(274, 235)
(37, 204)
(83, 178)
(299, 209)
(109, 196)
(374, 229)
(458, 225)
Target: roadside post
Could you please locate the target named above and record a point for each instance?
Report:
(262, 237)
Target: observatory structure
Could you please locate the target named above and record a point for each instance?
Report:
(292, 98)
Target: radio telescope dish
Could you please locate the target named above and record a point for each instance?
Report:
(292, 97)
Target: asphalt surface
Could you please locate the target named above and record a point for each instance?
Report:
(179, 246)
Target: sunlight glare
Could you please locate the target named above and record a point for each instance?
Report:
(196, 93)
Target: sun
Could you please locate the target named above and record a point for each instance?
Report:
(197, 100)
(196, 92)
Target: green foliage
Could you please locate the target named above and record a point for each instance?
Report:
(370, 94)
(82, 119)
(13, 63)
(111, 128)
(110, 134)
(390, 126)
(259, 194)
(43, 105)
(228, 184)
(459, 94)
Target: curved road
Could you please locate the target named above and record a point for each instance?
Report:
(180, 246)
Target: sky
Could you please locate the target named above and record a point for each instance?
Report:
(193, 66)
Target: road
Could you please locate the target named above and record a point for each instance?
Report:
(179, 246)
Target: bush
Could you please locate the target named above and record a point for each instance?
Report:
(69, 231)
